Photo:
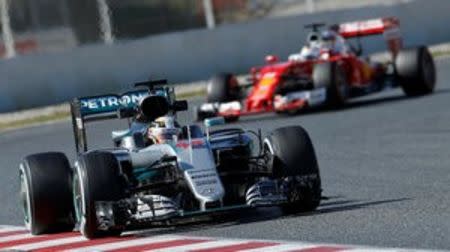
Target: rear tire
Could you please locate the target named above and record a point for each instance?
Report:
(293, 156)
(222, 88)
(97, 178)
(231, 119)
(46, 193)
(331, 76)
(416, 71)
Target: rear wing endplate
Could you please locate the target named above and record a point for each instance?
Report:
(97, 108)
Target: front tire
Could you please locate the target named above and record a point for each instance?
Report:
(222, 88)
(46, 193)
(294, 162)
(416, 71)
(331, 76)
(97, 178)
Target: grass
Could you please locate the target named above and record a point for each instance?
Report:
(440, 53)
(191, 94)
(34, 120)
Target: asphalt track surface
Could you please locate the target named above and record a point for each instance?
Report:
(384, 159)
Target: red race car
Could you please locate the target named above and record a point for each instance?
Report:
(327, 71)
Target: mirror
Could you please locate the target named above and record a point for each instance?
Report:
(152, 107)
(271, 59)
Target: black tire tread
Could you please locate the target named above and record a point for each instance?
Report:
(294, 155)
(102, 183)
(325, 75)
(49, 176)
(292, 145)
(219, 89)
(410, 72)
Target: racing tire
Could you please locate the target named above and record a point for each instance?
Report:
(416, 71)
(293, 160)
(331, 76)
(231, 119)
(222, 88)
(97, 178)
(46, 194)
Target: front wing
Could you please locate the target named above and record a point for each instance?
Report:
(290, 102)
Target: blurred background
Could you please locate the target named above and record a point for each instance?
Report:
(55, 25)
(62, 49)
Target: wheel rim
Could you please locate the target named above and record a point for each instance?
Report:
(77, 197)
(267, 153)
(25, 197)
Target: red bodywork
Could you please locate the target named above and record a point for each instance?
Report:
(360, 72)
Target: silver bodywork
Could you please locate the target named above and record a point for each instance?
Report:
(195, 160)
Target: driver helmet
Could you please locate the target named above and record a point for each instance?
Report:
(313, 40)
(163, 130)
(328, 39)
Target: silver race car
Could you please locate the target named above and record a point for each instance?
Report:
(159, 171)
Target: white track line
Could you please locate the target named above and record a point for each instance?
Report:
(4, 229)
(49, 243)
(126, 244)
(15, 237)
(208, 243)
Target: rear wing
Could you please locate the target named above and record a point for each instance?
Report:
(97, 108)
(388, 26)
(116, 106)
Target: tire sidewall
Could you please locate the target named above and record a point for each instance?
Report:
(45, 189)
(416, 71)
(89, 178)
(25, 181)
(427, 65)
(311, 194)
(331, 75)
(340, 86)
(276, 148)
(85, 213)
(222, 88)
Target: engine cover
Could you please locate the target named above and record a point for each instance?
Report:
(199, 170)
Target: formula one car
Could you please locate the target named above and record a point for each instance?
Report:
(328, 71)
(159, 172)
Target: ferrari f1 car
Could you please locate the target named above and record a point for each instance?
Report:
(143, 180)
(328, 71)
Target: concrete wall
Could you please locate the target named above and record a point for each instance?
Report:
(51, 78)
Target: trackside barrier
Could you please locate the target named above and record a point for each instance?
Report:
(44, 79)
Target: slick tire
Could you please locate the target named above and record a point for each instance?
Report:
(331, 76)
(46, 194)
(222, 88)
(96, 178)
(292, 156)
(416, 71)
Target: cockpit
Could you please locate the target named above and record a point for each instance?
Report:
(318, 42)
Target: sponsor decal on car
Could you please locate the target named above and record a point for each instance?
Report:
(111, 103)
(196, 143)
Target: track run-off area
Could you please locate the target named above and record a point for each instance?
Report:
(385, 167)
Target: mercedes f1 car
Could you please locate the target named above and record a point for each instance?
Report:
(328, 71)
(144, 180)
